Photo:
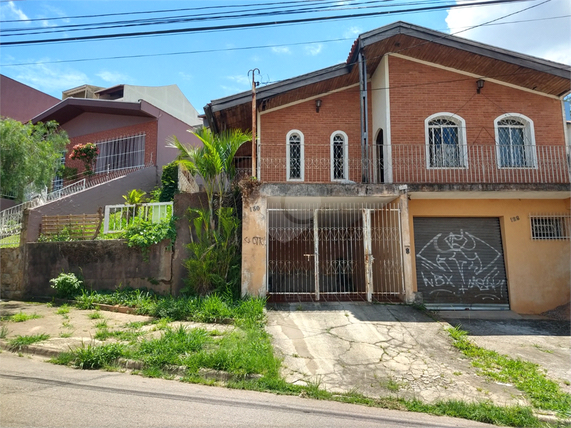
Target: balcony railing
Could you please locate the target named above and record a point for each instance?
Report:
(415, 164)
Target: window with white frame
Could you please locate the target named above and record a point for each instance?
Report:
(339, 156)
(120, 153)
(446, 141)
(295, 158)
(550, 226)
(515, 141)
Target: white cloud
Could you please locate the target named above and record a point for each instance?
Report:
(50, 78)
(240, 79)
(281, 50)
(313, 49)
(539, 36)
(113, 77)
(9, 11)
(185, 76)
(352, 32)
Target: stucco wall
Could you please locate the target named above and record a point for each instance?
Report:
(538, 271)
(254, 253)
(22, 102)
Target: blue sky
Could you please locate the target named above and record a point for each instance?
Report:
(221, 68)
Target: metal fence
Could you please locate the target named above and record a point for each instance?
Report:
(419, 163)
(119, 217)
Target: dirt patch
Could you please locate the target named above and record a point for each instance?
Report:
(559, 313)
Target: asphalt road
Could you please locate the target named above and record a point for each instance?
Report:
(39, 394)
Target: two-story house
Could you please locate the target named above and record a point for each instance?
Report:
(426, 166)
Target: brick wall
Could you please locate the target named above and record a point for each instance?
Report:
(149, 128)
(339, 112)
(418, 91)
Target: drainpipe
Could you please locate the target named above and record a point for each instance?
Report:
(364, 115)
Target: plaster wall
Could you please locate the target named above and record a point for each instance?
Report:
(254, 246)
(22, 102)
(89, 123)
(88, 201)
(538, 271)
(168, 98)
(169, 126)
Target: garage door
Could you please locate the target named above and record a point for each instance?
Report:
(460, 263)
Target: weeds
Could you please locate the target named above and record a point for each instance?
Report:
(526, 376)
(20, 342)
(92, 357)
(21, 317)
(63, 309)
(3, 332)
(95, 315)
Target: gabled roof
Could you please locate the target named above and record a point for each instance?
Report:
(409, 40)
(70, 108)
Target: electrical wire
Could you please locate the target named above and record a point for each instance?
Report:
(251, 25)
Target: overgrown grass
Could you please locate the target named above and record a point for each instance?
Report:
(4, 332)
(526, 376)
(208, 309)
(20, 342)
(63, 309)
(91, 357)
(22, 316)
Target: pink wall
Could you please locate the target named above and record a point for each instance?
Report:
(22, 102)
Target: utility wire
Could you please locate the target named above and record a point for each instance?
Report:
(250, 25)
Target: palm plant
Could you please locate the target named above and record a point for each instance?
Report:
(214, 161)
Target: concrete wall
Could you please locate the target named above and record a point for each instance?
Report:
(538, 271)
(254, 253)
(167, 127)
(90, 123)
(89, 200)
(104, 265)
(12, 273)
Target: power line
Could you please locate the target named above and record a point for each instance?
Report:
(251, 25)
(244, 47)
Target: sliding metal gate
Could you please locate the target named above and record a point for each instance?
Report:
(334, 251)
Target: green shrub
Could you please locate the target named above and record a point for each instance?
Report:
(143, 233)
(169, 180)
(67, 285)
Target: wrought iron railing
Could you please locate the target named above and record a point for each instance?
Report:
(418, 163)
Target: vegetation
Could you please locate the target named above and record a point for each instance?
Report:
(526, 376)
(20, 342)
(214, 263)
(21, 317)
(29, 155)
(169, 181)
(66, 285)
(143, 233)
(86, 153)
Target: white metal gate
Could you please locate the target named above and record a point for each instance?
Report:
(334, 251)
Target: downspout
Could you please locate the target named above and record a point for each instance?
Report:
(364, 115)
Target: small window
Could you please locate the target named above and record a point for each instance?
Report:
(295, 160)
(445, 141)
(515, 141)
(550, 226)
(339, 156)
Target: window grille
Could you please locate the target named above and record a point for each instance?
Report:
(550, 226)
(446, 141)
(515, 141)
(295, 156)
(121, 153)
(339, 157)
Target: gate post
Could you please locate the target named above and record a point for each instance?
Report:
(406, 250)
(254, 246)
(316, 252)
(368, 254)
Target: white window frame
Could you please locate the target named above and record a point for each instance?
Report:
(461, 123)
(301, 156)
(345, 156)
(121, 153)
(529, 132)
(550, 227)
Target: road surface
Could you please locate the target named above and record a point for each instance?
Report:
(38, 394)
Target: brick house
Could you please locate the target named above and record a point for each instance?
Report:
(425, 167)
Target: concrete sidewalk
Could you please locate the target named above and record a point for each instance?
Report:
(377, 350)
(393, 350)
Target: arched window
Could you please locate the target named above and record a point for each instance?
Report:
(515, 141)
(339, 156)
(295, 159)
(446, 141)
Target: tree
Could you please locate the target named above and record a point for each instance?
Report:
(29, 155)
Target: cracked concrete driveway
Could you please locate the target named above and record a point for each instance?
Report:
(377, 350)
